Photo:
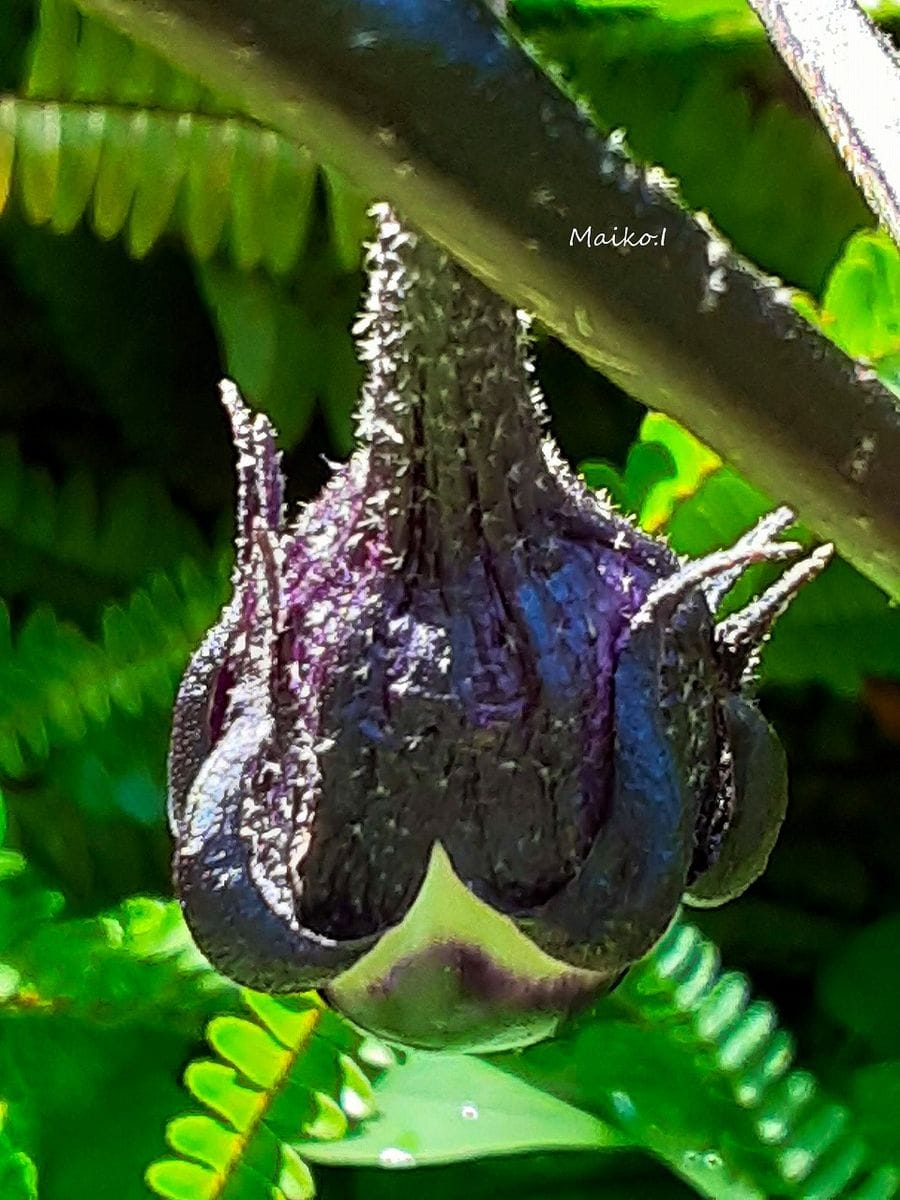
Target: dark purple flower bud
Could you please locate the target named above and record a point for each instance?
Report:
(464, 735)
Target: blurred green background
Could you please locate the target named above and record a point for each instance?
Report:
(152, 240)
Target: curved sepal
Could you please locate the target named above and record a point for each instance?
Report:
(760, 802)
(632, 880)
(190, 742)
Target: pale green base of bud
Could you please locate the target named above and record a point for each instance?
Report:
(455, 974)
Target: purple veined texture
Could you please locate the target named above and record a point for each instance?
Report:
(456, 643)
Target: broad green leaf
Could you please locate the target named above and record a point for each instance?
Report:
(666, 466)
(438, 1108)
(860, 310)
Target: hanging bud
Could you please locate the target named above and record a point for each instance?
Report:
(463, 736)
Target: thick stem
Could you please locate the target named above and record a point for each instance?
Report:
(435, 108)
(454, 432)
(851, 75)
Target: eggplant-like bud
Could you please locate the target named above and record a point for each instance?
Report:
(460, 740)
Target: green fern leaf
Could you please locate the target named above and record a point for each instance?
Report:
(134, 966)
(665, 466)
(121, 137)
(142, 172)
(114, 768)
(860, 310)
(53, 679)
(74, 56)
(110, 134)
(18, 1173)
(350, 223)
(56, 540)
(688, 1066)
(809, 1140)
(290, 1073)
(26, 906)
(269, 344)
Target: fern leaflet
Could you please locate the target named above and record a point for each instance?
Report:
(53, 679)
(809, 1141)
(110, 131)
(294, 1072)
(71, 532)
(686, 1065)
(140, 172)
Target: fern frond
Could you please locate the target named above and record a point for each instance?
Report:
(18, 1173)
(292, 1072)
(219, 182)
(285, 350)
(687, 1066)
(53, 679)
(112, 135)
(118, 769)
(808, 1142)
(136, 965)
(25, 907)
(56, 538)
(108, 131)
(73, 56)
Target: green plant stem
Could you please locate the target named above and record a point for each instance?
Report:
(434, 107)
